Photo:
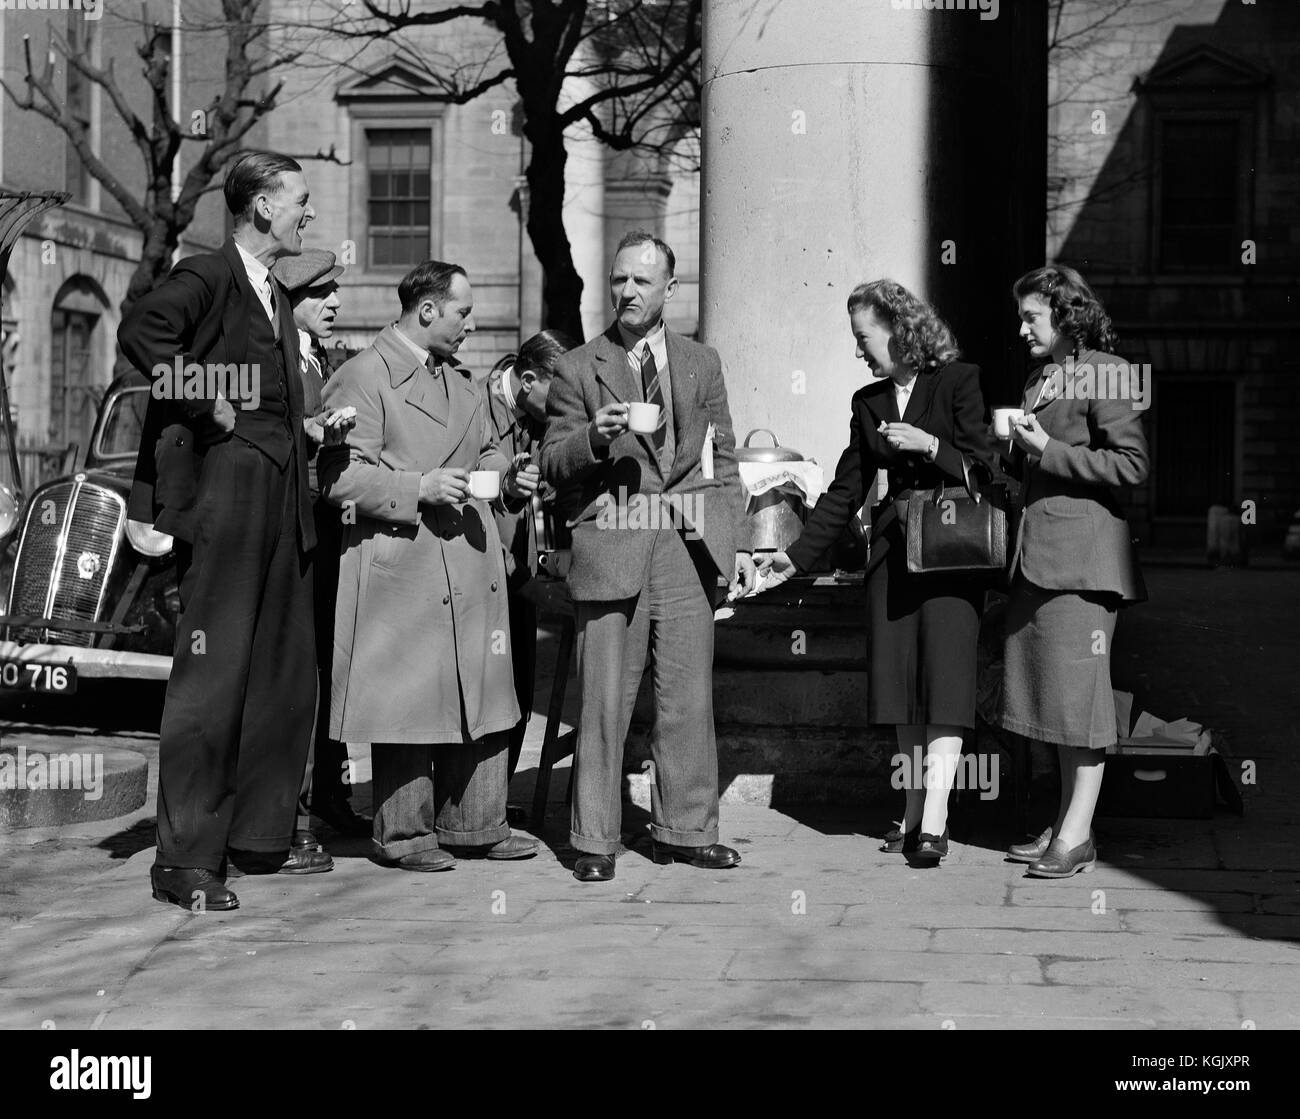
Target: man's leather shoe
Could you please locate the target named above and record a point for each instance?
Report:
(513, 847)
(594, 868)
(306, 856)
(426, 861)
(1060, 863)
(191, 888)
(931, 848)
(897, 840)
(337, 812)
(713, 857)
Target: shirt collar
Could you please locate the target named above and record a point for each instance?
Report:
(419, 351)
(305, 346)
(257, 271)
(506, 393)
(631, 341)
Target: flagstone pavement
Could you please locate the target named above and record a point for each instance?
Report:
(1185, 923)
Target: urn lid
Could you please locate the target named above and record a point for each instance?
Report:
(774, 453)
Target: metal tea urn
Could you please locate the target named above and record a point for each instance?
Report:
(777, 515)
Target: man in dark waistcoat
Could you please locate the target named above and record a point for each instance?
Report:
(223, 469)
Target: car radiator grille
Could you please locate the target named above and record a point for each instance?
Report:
(63, 563)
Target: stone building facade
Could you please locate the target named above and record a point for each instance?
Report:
(1174, 174)
(69, 271)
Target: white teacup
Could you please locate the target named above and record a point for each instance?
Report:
(643, 418)
(1004, 418)
(485, 485)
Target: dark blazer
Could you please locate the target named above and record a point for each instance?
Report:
(945, 403)
(1073, 536)
(201, 312)
(610, 562)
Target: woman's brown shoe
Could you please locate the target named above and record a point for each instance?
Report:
(1060, 863)
(1030, 852)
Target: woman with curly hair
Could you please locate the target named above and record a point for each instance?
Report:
(919, 420)
(1074, 564)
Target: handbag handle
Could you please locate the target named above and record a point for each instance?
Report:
(968, 468)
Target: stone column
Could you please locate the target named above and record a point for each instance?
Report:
(852, 139)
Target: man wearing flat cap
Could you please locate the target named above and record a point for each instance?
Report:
(311, 280)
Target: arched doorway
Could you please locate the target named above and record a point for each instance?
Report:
(76, 381)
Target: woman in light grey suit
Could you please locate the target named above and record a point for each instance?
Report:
(1074, 564)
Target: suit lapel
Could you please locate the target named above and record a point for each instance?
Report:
(462, 401)
(426, 394)
(404, 366)
(886, 403)
(918, 402)
(235, 315)
(612, 369)
(615, 373)
(689, 420)
(288, 328)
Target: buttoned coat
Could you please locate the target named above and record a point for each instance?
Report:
(595, 486)
(422, 629)
(1073, 535)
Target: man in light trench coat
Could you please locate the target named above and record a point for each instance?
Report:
(422, 665)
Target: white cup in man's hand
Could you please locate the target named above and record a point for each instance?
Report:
(643, 418)
(1004, 419)
(484, 485)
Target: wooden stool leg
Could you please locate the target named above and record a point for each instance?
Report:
(550, 754)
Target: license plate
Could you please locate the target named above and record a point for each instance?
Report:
(21, 676)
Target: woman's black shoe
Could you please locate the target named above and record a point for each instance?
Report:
(931, 848)
(896, 841)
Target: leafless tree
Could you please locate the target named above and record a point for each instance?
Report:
(218, 130)
(635, 65)
(1082, 73)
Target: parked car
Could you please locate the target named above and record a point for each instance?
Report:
(92, 594)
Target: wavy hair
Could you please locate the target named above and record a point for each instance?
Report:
(923, 340)
(1079, 313)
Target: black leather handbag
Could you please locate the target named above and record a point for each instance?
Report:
(960, 528)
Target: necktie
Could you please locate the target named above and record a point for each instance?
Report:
(270, 298)
(435, 367)
(654, 394)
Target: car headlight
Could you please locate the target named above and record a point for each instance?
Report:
(147, 540)
(8, 511)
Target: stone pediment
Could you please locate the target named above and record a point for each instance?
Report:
(1204, 67)
(391, 82)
